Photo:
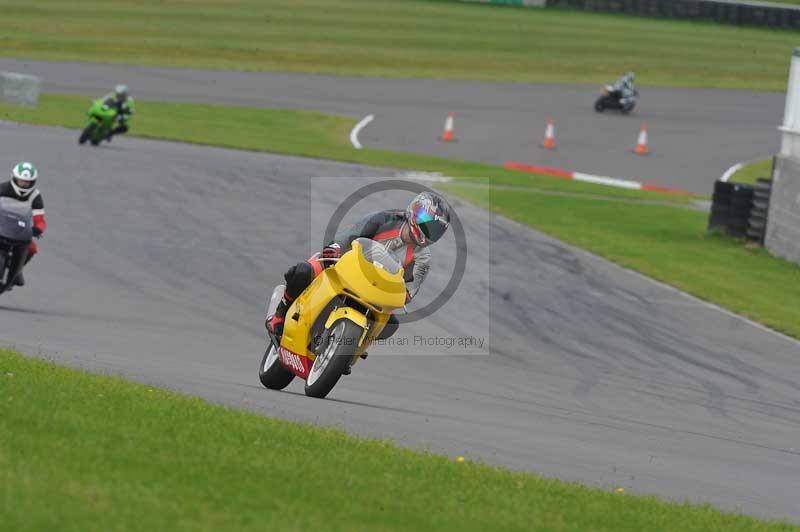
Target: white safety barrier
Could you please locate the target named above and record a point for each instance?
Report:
(783, 218)
(19, 89)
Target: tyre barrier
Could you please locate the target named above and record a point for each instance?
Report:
(19, 89)
(757, 222)
(722, 11)
(731, 207)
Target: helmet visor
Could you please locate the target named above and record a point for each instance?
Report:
(24, 184)
(432, 228)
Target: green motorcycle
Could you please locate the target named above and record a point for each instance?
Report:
(102, 115)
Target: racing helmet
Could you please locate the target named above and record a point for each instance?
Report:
(428, 216)
(23, 178)
(121, 92)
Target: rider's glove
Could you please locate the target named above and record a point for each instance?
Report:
(37, 232)
(332, 251)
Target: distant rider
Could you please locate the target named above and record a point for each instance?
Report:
(406, 234)
(625, 89)
(123, 104)
(22, 187)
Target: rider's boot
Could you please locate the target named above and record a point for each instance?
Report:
(19, 280)
(274, 323)
(119, 130)
(348, 370)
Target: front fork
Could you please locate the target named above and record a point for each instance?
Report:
(274, 300)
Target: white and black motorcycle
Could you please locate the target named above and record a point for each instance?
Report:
(614, 99)
(16, 233)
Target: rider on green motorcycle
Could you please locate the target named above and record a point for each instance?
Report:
(123, 104)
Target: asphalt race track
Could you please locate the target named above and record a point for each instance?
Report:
(695, 135)
(160, 256)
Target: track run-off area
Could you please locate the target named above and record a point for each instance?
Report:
(695, 135)
(160, 256)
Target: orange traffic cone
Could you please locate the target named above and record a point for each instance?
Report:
(550, 135)
(447, 134)
(641, 143)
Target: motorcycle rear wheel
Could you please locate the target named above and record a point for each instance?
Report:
(341, 342)
(599, 106)
(271, 373)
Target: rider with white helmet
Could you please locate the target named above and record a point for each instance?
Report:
(22, 187)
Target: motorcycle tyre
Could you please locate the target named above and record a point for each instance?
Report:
(340, 360)
(87, 133)
(275, 377)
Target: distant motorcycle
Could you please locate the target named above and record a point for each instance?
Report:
(16, 233)
(612, 99)
(101, 121)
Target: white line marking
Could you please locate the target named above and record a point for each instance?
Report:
(610, 181)
(434, 177)
(730, 171)
(357, 129)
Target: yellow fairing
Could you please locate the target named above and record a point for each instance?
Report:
(374, 286)
(347, 313)
(356, 278)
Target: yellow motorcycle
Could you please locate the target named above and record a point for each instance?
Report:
(331, 324)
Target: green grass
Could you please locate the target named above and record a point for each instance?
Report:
(667, 244)
(751, 172)
(398, 38)
(644, 231)
(83, 452)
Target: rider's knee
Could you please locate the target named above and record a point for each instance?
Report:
(298, 277)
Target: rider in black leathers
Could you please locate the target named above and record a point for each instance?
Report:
(405, 233)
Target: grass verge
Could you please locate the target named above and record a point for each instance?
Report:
(643, 231)
(84, 452)
(406, 38)
(750, 173)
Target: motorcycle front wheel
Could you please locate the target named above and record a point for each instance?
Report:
(340, 344)
(271, 373)
(87, 133)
